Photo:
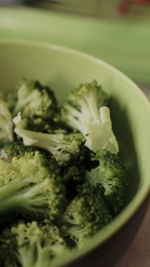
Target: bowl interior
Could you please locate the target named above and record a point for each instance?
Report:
(63, 69)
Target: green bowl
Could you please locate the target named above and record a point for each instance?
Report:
(63, 69)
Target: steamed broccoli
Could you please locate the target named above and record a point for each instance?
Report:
(110, 174)
(28, 183)
(85, 111)
(31, 244)
(86, 214)
(59, 167)
(6, 124)
(61, 145)
(37, 104)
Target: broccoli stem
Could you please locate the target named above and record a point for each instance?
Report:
(50, 142)
(33, 256)
(92, 104)
(23, 195)
(6, 124)
(26, 256)
(43, 260)
(9, 190)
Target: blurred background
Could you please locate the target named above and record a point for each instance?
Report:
(116, 31)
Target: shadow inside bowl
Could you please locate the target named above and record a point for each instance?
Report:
(128, 153)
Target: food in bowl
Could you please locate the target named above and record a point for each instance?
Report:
(61, 175)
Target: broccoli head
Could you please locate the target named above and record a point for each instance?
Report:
(32, 244)
(86, 214)
(6, 123)
(85, 111)
(110, 174)
(28, 183)
(90, 91)
(60, 144)
(37, 104)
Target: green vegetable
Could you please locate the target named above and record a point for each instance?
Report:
(85, 111)
(61, 145)
(37, 104)
(31, 245)
(6, 124)
(110, 174)
(86, 214)
(61, 177)
(28, 183)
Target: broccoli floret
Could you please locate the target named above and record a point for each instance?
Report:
(32, 244)
(6, 124)
(15, 149)
(91, 91)
(61, 145)
(86, 214)
(85, 111)
(28, 183)
(110, 174)
(77, 166)
(37, 104)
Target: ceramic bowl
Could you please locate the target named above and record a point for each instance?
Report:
(63, 69)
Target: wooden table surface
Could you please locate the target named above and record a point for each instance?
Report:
(138, 253)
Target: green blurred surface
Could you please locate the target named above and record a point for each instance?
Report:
(100, 8)
(125, 43)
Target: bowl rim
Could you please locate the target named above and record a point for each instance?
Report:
(113, 227)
